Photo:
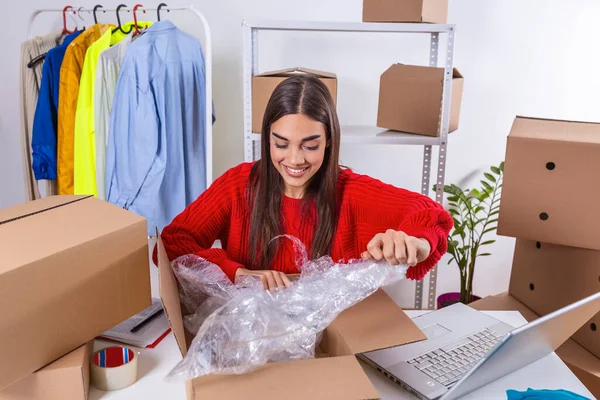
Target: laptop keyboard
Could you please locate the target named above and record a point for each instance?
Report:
(450, 363)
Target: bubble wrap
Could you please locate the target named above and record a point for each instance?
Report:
(241, 327)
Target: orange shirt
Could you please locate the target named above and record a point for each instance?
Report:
(70, 73)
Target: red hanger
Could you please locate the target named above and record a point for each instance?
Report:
(135, 23)
(65, 30)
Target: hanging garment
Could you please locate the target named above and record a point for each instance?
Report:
(70, 74)
(45, 121)
(107, 73)
(84, 167)
(30, 86)
(155, 159)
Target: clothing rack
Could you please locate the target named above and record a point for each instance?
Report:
(207, 56)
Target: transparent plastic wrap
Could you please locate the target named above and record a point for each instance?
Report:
(241, 327)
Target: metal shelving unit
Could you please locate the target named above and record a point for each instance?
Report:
(366, 134)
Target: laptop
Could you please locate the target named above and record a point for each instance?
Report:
(466, 349)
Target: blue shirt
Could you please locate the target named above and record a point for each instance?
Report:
(155, 157)
(45, 119)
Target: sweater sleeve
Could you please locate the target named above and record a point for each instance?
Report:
(195, 230)
(389, 207)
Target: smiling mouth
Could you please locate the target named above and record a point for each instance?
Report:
(295, 171)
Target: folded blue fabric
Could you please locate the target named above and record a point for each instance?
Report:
(532, 394)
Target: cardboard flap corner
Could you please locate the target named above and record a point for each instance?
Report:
(169, 295)
(456, 74)
(329, 377)
(373, 324)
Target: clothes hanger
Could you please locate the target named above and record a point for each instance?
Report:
(96, 7)
(135, 22)
(158, 10)
(119, 26)
(64, 13)
(78, 13)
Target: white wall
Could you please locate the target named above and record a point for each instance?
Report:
(527, 57)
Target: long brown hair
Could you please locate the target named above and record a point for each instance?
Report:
(302, 94)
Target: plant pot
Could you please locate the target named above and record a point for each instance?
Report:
(447, 299)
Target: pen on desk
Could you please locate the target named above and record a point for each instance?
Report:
(144, 322)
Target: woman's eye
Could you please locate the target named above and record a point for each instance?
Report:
(312, 148)
(279, 146)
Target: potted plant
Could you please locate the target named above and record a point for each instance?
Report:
(475, 214)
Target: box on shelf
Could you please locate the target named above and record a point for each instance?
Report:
(548, 193)
(72, 267)
(581, 362)
(546, 277)
(410, 99)
(335, 374)
(264, 84)
(67, 378)
(434, 11)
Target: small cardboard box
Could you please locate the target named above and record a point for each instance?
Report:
(549, 192)
(264, 84)
(581, 362)
(410, 99)
(72, 267)
(434, 11)
(375, 323)
(546, 277)
(67, 378)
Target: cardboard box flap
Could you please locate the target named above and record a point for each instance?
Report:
(572, 353)
(558, 130)
(82, 219)
(75, 358)
(298, 70)
(404, 71)
(169, 295)
(34, 207)
(331, 378)
(504, 302)
(362, 329)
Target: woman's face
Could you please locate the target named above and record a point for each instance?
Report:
(297, 144)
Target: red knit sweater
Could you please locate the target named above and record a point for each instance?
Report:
(367, 207)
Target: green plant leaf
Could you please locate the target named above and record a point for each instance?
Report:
(494, 213)
(502, 166)
(490, 177)
(495, 170)
(478, 209)
(453, 198)
(484, 254)
(491, 221)
(487, 185)
(493, 228)
(487, 242)
(453, 212)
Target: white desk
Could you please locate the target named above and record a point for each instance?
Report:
(155, 364)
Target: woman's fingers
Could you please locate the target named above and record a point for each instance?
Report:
(400, 247)
(278, 280)
(374, 247)
(286, 280)
(412, 247)
(390, 248)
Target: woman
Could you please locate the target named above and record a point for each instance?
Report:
(298, 188)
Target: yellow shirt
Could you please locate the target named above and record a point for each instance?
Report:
(84, 172)
(70, 74)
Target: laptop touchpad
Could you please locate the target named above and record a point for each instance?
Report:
(435, 331)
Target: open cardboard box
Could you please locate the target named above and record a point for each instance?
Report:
(67, 378)
(72, 267)
(550, 165)
(432, 11)
(375, 323)
(581, 362)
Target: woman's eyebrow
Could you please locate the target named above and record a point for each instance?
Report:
(279, 136)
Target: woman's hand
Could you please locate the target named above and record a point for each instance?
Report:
(270, 279)
(397, 248)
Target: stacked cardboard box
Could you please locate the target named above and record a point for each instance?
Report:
(72, 267)
(548, 203)
(433, 11)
